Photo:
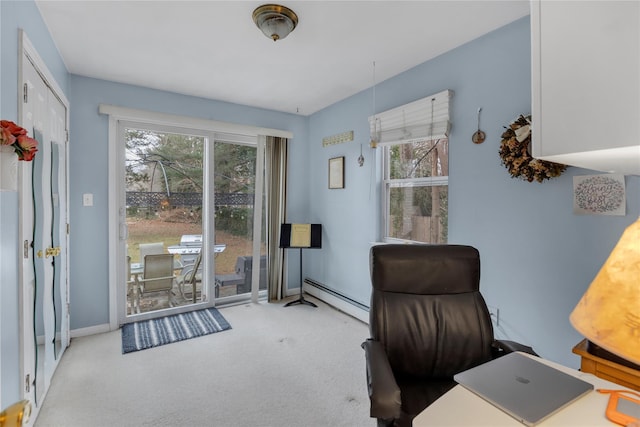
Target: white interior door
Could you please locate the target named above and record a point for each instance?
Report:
(43, 210)
(58, 185)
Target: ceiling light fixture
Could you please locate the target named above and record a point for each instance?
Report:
(275, 21)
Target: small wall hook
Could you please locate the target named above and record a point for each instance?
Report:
(478, 136)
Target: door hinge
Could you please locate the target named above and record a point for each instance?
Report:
(68, 228)
(25, 92)
(67, 133)
(27, 383)
(25, 250)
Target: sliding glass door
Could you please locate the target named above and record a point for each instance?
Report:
(187, 219)
(236, 169)
(164, 197)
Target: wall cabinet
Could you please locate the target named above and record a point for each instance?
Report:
(586, 84)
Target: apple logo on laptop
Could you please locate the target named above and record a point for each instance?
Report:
(522, 380)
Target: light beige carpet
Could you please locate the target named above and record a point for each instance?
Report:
(294, 366)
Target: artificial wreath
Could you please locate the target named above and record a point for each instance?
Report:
(516, 155)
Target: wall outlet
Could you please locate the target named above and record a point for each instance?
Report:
(494, 312)
(87, 199)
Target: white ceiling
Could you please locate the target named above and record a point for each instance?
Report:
(212, 49)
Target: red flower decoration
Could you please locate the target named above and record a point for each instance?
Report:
(16, 136)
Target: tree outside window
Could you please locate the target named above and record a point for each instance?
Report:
(416, 191)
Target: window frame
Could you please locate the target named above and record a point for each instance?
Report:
(387, 183)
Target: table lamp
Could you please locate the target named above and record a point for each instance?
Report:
(608, 314)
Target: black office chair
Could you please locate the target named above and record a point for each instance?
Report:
(428, 321)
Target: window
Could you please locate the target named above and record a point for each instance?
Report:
(416, 191)
(416, 169)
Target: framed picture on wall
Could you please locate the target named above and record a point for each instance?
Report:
(336, 172)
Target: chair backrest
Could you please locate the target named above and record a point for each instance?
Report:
(427, 310)
(150, 249)
(159, 267)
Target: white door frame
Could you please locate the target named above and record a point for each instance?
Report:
(207, 229)
(117, 214)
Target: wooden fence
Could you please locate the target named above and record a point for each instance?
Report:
(157, 199)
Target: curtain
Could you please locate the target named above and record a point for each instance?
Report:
(275, 186)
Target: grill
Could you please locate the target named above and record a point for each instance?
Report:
(188, 249)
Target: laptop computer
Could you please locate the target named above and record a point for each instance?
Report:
(523, 387)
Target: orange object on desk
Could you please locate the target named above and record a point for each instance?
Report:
(618, 413)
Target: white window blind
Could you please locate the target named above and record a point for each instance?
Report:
(426, 118)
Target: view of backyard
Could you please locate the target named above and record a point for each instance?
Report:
(159, 230)
(165, 184)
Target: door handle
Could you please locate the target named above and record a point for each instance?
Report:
(49, 252)
(124, 231)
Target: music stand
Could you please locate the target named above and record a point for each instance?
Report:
(301, 236)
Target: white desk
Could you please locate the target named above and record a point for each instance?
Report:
(460, 407)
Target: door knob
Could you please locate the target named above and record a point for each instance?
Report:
(49, 252)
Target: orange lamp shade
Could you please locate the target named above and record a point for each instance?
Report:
(609, 312)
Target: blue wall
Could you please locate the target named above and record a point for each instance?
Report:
(537, 257)
(24, 15)
(89, 278)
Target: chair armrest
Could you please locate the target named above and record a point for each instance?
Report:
(505, 346)
(155, 279)
(186, 273)
(384, 392)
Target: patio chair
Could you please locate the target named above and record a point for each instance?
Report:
(191, 274)
(157, 276)
(151, 249)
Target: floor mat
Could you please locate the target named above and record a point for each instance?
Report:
(178, 327)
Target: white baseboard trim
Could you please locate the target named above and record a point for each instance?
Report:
(344, 306)
(340, 304)
(91, 330)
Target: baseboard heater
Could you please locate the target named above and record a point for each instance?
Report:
(337, 300)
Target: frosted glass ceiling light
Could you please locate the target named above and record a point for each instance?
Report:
(275, 21)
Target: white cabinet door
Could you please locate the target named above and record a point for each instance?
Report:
(586, 83)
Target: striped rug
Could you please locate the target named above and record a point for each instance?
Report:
(155, 332)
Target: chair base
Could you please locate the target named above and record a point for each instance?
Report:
(300, 300)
